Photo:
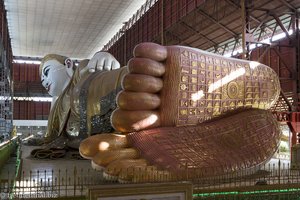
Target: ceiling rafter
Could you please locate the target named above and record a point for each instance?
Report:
(218, 23)
(274, 15)
(292, 23)
(197, 32)
(287, 4)
(221, 49)
(265, 51)
(251, 17)
(180, 41)
(261, 24)
(282, 60)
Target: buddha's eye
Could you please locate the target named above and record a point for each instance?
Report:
(46, 70)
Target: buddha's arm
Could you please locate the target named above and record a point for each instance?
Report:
(94, 96)
(101, 61)
(53, 101)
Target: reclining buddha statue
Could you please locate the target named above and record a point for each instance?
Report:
(181, 112)
(78, 107)
(82, 97)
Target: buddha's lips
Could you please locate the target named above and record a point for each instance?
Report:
(48, 88)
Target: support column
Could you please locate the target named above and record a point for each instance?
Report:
(245, 29)
(162, 24)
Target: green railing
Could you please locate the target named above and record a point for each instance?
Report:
(6, 149)
(291, 191)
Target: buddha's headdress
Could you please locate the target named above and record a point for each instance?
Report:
(57, 57)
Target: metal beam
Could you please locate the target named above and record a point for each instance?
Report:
(292, 23)
(280, 24)
(180, 41)
(226, 45)
(292, 71)
(162, 39)
(284, 2)
(286, 101)
(297, 45)
(198, 33)
(266, 50)
(245, 53)
(218, 23)
(253, 18)
(273, 33)
(27, 58)
(234, 46)
(260, 24)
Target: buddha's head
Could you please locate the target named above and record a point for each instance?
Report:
(56, 72)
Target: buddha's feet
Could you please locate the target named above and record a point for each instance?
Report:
(236, 141)
(179, 88)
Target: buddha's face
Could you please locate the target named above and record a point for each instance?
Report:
(54, 77)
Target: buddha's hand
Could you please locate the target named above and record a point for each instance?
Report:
(101, 61)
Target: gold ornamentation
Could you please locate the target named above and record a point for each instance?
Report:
(194, 88)
(183, 112)
(186, 71)
(184, 78)
(183, 103)
(202, 65)
(194, 64)
(184, 95)
(193, 103)
(194, 79)
(232, 90)
(183, 87)
(193, 111)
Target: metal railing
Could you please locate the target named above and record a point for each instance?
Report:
(49, 184)
(73, 182)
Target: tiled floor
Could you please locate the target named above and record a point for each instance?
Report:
(60, 168)
(47, 164)
(51, 170)
(47, 178)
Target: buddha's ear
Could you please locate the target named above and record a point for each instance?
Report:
(69, 64)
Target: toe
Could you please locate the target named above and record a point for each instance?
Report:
(146, 66)
(92, 145)
(142, 83)
(129, 121)
(106, 157)
(137, 101)
(150, 50)
(96, 166)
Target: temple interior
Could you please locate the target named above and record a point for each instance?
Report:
(150, 99)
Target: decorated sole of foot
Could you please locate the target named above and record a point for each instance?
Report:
(183, 108)
(197, 86)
